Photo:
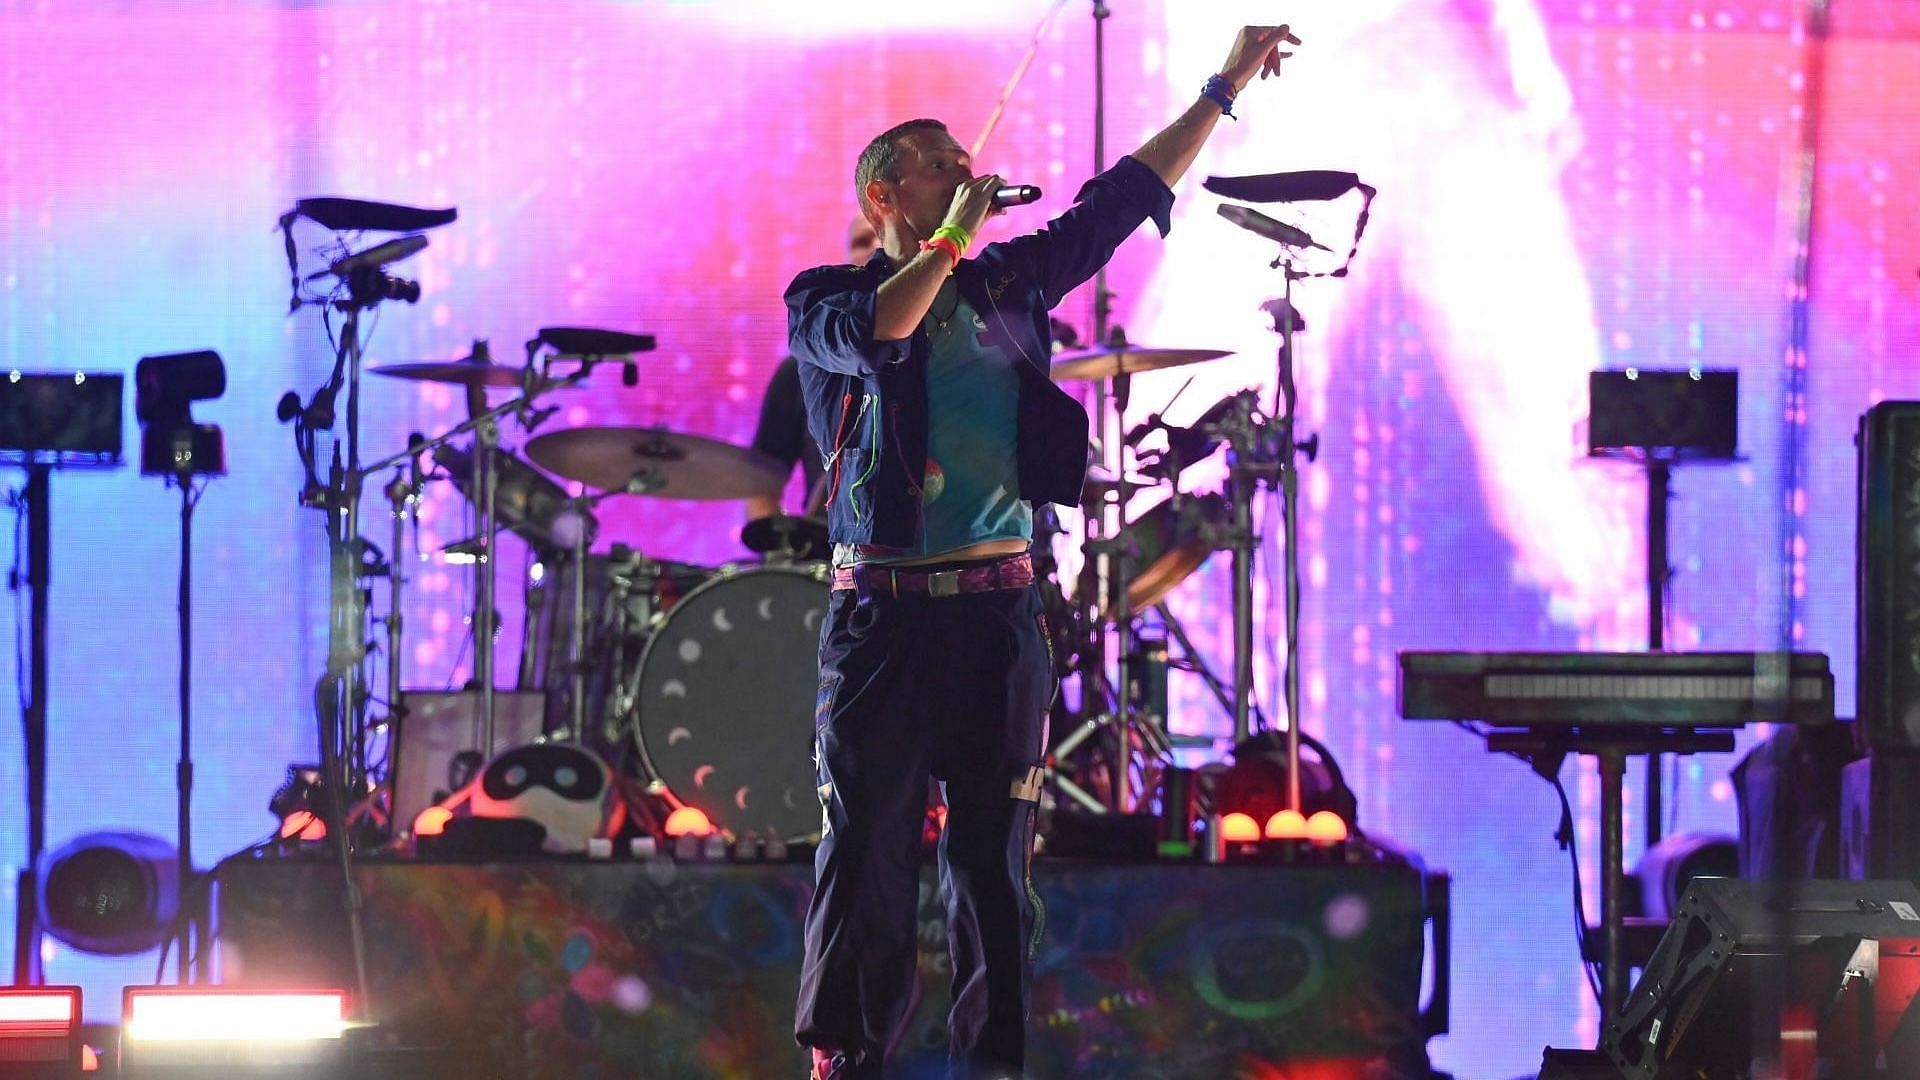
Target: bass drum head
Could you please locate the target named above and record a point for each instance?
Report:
(723, 700)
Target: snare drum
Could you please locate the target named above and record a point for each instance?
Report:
(722, 699)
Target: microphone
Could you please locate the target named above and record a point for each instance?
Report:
(1261, 225)
(289, 406)
(629, 372)
(1016, 195)
(379, 255)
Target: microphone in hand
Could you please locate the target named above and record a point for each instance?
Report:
(1015, 195)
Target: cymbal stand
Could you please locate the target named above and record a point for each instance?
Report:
(486, 443)
(577, 665)
(403, 496)
(486, 430)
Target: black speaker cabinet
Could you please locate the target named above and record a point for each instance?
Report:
(1887, 576)
(1691, 1013)
(1880, 817)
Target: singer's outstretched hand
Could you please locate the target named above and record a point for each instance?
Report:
(1258, 50)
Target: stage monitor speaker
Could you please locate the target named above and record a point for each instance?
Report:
(1690, 1015)
(439, 727)
(1887, 576)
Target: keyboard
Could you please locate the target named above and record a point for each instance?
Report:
(1585, 689)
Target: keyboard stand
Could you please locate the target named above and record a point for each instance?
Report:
(1544, 748)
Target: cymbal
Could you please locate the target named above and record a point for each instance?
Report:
(1105, 363)
(457, 372)
(669, 464)
(802, 537)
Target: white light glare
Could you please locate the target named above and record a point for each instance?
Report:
(265, 1017)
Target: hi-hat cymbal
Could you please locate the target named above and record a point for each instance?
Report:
(655, 461)
(785, 534)
(1105, 363)
(458, 372)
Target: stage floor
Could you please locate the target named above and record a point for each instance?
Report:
(568, 967)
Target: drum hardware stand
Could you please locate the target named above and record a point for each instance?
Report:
(403, 495)
(577, 665)
(484, 425)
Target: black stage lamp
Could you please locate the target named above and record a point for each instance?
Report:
(165, 387)
(110, 893)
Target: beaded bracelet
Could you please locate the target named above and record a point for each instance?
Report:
(1220, 91)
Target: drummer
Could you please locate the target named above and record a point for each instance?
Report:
(782, 433)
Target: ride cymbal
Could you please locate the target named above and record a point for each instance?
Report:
(655, 461)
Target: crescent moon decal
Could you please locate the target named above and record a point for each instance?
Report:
(677, 735)
(740, 798)
(700, 775)
(766, 608)
(673, 688)
(720, 620)
(811, 619)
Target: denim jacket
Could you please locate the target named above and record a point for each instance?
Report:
(867, 399)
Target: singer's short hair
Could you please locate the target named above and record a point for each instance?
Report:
(881, 160)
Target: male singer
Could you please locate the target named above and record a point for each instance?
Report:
(925, 373)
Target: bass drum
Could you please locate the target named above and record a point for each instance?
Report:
(723, 699)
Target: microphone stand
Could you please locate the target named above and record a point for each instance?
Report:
(339, 696)
(1290, 537)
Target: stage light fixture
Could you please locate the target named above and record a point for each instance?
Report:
(165, 387)
(1287, 824)
(40, 1032)
(689, 821)
(1238, 828)
(432, 821)
(191, 1031)
(111, 893)
(1326, 828)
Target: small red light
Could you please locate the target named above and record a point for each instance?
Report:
(1238, 828)
(1326, 827)
(1287, 825)
(689, 821)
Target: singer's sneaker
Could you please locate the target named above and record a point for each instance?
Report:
(830, 1066)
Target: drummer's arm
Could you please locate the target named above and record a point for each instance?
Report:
(830, 323)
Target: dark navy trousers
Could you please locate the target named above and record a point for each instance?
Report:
(956, 688)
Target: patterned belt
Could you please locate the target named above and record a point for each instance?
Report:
(1013, 572)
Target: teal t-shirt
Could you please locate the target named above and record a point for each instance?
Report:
(972, 488)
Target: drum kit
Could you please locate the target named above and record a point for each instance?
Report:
(699, 680)
(700, 676)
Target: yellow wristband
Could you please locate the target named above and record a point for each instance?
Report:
(957, 233)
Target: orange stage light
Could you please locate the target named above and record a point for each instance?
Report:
(689, 821)
(1326, 827)
(1238, 828)
(1287, 825)
(432, 821)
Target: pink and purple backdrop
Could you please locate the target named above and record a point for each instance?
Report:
(1565, 185)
